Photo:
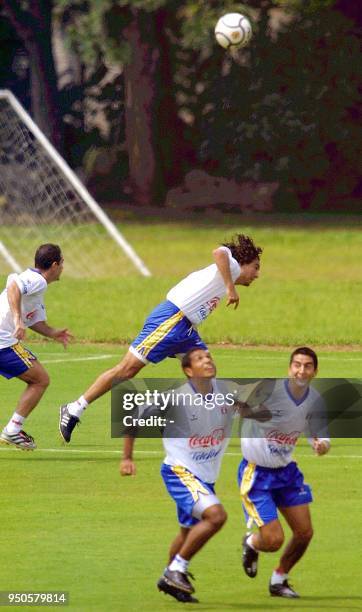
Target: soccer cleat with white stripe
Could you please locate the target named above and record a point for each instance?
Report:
(21, 440)
(67, 422)
(249, 559)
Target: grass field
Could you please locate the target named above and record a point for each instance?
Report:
(308, 291)
(69, 522)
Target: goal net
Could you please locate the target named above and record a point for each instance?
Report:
(42, 200)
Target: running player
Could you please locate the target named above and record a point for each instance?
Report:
(192, 465)
(268, 478)
(170, 329)
(22, 306)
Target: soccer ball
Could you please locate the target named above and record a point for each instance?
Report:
(233, 30)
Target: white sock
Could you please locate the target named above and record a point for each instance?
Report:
(77, 408)
(15, 424)
(249, 542)
(178, 564)
(278, 578)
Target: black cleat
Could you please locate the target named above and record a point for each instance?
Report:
(164, 586)
(249, 559)
(282, 589)
(178, 579)
(67, 422)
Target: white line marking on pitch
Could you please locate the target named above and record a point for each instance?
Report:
(67, 360)
(160, 453)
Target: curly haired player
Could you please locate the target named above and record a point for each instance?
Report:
(170, 329)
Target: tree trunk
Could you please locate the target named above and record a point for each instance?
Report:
(154, 132)
(140, 98)
(34, 28)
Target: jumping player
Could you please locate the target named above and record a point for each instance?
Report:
(170, 329)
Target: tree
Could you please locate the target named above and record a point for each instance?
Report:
(32, 22)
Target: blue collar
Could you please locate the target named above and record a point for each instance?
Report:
(294, 400)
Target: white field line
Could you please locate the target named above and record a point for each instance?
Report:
(270, 357)
(159, 453)
(68, 359)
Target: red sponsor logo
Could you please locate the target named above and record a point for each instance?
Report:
(283, 438)
(29, 315)
(212, 439)
(213, 303)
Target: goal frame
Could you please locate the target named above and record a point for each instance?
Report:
(76, 184)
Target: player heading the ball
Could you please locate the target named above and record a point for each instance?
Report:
(171, 328)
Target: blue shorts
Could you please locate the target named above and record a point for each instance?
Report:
(166, 332)
(184, 487)
(263, 490)
(15, 360)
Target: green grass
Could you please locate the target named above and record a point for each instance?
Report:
(308, 291)
(69, 522)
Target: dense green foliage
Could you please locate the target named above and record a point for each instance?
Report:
(283, 110)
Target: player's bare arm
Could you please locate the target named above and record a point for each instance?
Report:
(222, 261)
(14, 299)
(59, 335)
(127, 466)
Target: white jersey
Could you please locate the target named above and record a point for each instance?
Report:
(271, 444)
(32, 286)
(198, 429)
(199, 293)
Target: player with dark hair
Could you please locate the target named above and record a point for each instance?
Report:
(268, 478)
(195, 439)
(170, 329)
(22, 306)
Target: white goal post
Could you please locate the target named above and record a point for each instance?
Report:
(42, 200)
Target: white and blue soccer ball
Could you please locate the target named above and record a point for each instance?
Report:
(233, 30)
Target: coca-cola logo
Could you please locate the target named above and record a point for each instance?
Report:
(212, 439)
(213, 303)
(29, 315)
(283, 438)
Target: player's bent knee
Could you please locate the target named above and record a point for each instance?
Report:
(217, 516)
(304, 535)
(127, 368)
(273, 541)
(44, 379)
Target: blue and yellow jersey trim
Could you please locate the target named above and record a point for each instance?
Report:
(26, 356)
(245, 486)
(158, 334)
(193, 485)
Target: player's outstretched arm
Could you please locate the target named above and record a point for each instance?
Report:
(59, 335)
(127, 467)
(222, 261)
(14, 299)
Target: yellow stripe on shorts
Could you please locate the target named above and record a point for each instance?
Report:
(23, 354)
(190, 481)
(158, 334)
(245, 486)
